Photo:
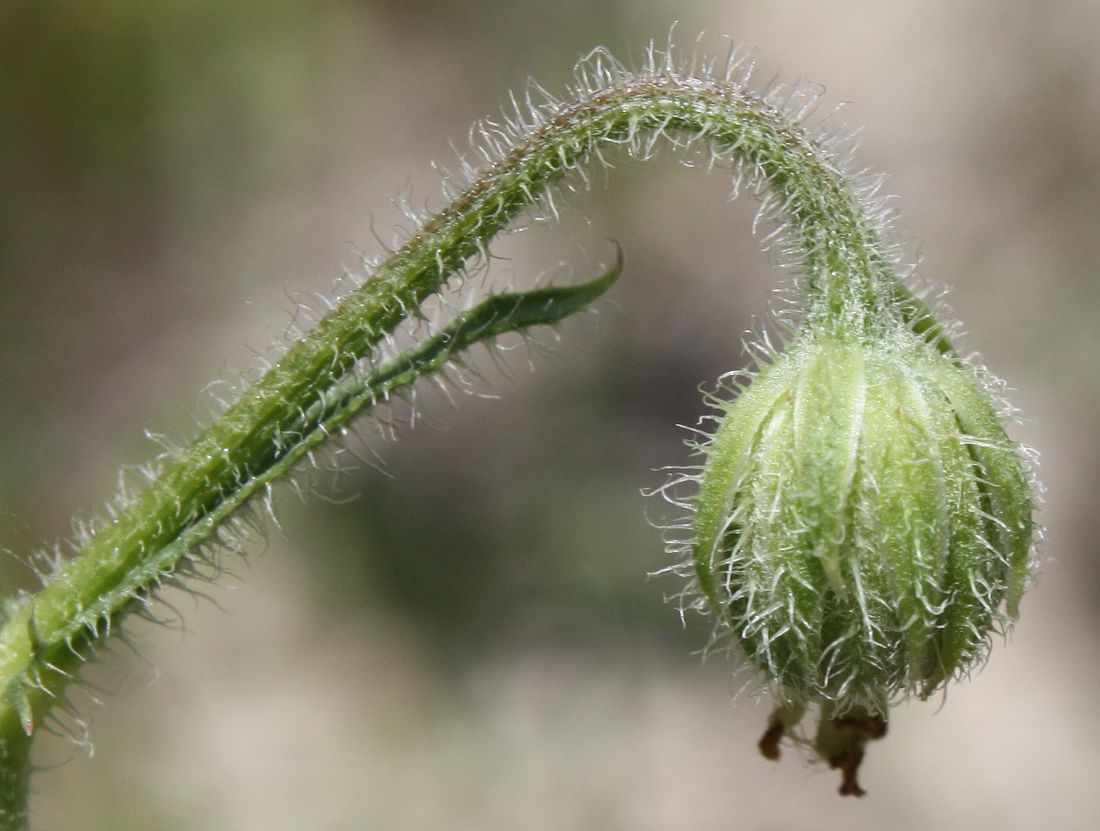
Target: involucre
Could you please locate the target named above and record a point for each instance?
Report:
(862, 525)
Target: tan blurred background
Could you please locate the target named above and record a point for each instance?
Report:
(473, 643)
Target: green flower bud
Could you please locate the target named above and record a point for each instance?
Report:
(862, 525)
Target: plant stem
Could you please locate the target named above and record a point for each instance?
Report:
(15, 773)
(320, 382)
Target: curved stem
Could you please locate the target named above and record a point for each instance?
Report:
(319, 383)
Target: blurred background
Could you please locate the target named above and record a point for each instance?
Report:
(472, 642)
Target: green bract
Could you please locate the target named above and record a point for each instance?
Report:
(862, 525)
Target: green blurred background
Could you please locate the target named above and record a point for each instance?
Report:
(472, 643)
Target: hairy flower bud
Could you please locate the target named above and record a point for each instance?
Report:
(862, 524)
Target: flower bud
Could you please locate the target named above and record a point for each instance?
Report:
(862, 524)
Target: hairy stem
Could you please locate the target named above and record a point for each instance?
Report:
(320, 382)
